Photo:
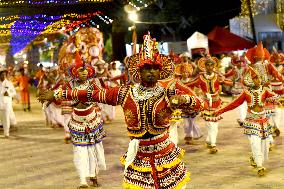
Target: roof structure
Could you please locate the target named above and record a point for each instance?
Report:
(222, 40)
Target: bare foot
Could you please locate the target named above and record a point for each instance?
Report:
(83, 186)
(94, 181)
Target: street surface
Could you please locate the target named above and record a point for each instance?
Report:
(36, 157)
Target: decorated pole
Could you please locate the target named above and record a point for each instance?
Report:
(251, 20)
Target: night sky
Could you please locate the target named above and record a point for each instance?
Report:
(200, 15)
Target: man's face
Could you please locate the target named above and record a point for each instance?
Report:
(51, 75)
(184, 59)
(101, 66)
(239, 64)
(184, 75)
(259, 59)
(150, 73)
(2, 76)
(209, 66)
(82, 74)
(55, 72)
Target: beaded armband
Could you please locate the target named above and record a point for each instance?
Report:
(272, 99)
(58, 94)
(90, 95)
(74, 94)
(64, 94)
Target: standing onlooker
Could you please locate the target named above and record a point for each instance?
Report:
(39, 74)
(7, 91)
(23, 83)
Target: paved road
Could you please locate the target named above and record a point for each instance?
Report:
(35, 157)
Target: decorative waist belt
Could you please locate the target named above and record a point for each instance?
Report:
(259, 116)
(84, 112)
(148, 147)
(155, 145)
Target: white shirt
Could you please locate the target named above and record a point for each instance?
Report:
(8, 86)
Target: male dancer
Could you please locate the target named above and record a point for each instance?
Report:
(152, 160)
(256, 125)
(210, 81)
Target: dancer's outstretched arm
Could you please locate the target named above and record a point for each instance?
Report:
(234, 104)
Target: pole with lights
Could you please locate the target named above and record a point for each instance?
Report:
(251, 20)
(133, 17)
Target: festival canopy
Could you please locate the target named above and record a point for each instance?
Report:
(197, 41)
(222, 40)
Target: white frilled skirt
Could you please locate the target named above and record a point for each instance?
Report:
(89, 160)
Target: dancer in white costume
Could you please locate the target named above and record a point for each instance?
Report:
(237, 72)
(86, 126)
(7, 92)
(210, 81)
(259, 56)
(277, 87)
(191, 129)
(159, 166)
(44, 84)
(55, 108)
(114, 72)
(256, 125)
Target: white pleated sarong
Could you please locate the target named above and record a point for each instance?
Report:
(89, 160)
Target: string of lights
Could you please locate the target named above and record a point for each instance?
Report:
(5, 33)
(47, 2)
(67, 25)
(24, 31)
(26, 28)
(61, 21)
(9, 18)
(140, 4)
(70, 16)
(6, 26)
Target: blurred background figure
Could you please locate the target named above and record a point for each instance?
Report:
(7, 92)
(39, 74)
(23, 82)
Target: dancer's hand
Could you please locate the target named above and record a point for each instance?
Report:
(215, 113)
(46, 96)
(176, 101)
(281, 102)
(221, 78)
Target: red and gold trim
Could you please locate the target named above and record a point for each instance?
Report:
(160, 163)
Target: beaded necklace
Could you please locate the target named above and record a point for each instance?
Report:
(83, 86)
(209, 77)
(144, 93)
(260, 68)
(185, 80)
(256, 97)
